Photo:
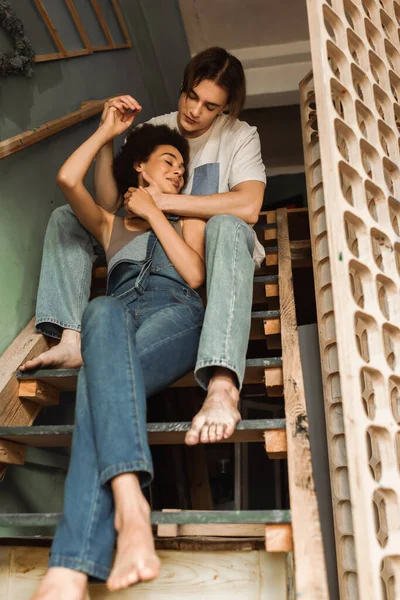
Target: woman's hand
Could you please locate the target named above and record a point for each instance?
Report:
(140, 203)
(118, 116)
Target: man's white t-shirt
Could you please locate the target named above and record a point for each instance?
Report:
(226, 155)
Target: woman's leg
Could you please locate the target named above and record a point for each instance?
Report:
(107, 443)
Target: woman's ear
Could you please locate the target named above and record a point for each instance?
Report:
(139, 167)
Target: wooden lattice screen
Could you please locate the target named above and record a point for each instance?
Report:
(351, 115)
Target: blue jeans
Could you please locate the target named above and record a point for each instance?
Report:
(65, 280)
(132, 347)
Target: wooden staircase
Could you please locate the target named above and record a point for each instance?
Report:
(244, 553)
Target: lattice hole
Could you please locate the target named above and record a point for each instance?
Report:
(341, 483)
(387, 140)
(381, 246)
(344, 518)
(356, 234)
(365, 330)
(346, 141)
(392, 55)
(388, 578)
(361, 84)
(374, 437)
(382, 103)
(328, 321)
(389, 27)
(348, 553)
(394, 86)
(365, 119)
(394, 387)
(350, 182)
(372, 386)
(338, 449)
(340, 99)
(372, 35)
(336, 59)
(375, 200)
(378, 69)
(386, 512)
(397, 12)
(332, 23)
(356, 285)
(370, 159)
(353, 16)
(384, 289)
(324, 272)
(394, 212)
(396, 108)
(392, 176)
(397, 257)
(336, 424)
(391, 344)
(357, 50)
(332, 358)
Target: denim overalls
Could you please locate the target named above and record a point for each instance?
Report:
(136, 341)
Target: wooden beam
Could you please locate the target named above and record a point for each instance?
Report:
(276, 443)
(26, 139)
(311, 578)
(27, 345)
(278, 538)
(103, 22)
(11, 453)
(52, 30)
(39, 392)
(122, 24)
(79, 25)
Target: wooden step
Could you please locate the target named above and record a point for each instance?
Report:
(42, 436)
(65, 379)
(182, 517)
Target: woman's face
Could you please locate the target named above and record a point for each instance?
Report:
(165, 166)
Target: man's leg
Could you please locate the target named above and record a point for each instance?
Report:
(223, 344)
(64, 287)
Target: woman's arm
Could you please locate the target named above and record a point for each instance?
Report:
(187, 255)
(71, 176)
(105, 186)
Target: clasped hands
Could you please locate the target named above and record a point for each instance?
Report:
(143, 201)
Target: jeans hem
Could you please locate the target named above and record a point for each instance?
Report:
(203, 379)
(144, 468)
(77, 564)
(41, 323)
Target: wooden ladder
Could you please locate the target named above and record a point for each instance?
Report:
(277, 371)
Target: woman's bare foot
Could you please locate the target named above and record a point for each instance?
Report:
(66, 355)
(219, 415)
(62, 584)
(136, 558)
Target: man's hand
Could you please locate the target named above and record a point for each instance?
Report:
(141, 203)
(153, 189)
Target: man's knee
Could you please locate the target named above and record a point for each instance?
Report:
(224, 229)
(223, 223)
(62, 216)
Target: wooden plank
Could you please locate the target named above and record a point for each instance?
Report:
(42, 436)
(211, 530)
(272, 326)
(39, 392)
(276, 443)
(311, 579)
(199, 481)
(274, 377)
(27, 345)
(12, 453)
(26, 139)
(52, 30)
(271, 290)
(278, 538)
(243, 575)
(103, 23)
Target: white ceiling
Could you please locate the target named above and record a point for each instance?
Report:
(270, 37)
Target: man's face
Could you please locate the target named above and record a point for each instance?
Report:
(198, 109)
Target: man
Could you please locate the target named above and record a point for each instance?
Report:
(226, 182)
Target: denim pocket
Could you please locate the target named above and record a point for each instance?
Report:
(205, 180)
(190, 299)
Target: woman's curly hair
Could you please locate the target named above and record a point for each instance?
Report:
(140, 144)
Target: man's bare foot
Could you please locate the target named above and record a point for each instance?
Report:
(66, 355)
(62, 584)
(219, 415)
(136, 558)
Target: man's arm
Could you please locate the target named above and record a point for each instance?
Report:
(243, 201)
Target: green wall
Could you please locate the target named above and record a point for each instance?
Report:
(151, 71)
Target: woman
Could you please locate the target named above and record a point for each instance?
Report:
(135, 342)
